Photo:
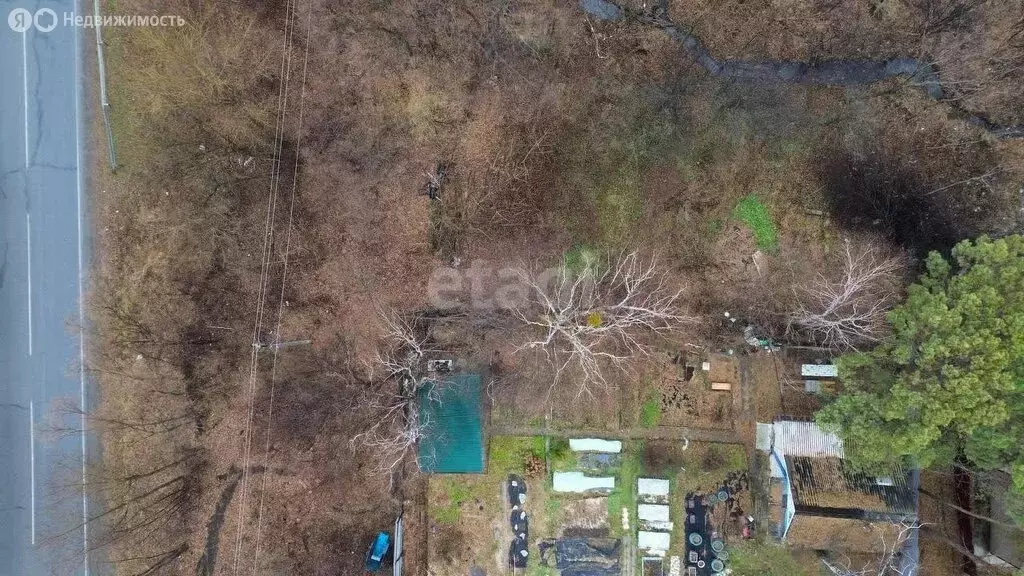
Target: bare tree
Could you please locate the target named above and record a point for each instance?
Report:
(66, 419)
(396, 434)
(138, 515)
(849, 311)
(891, 539)
(400, 370)
(599, 316)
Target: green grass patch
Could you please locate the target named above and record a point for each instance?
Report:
(553, 513)
(507, 454)
(650, 411)
(535, 569)
(447, 515)
(752, 212)
(561, 458)
(457, 493)
(705, 465)
(624, 494)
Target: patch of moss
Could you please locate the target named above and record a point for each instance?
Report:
(580, 257)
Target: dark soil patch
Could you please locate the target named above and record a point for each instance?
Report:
(662, 458)
(449, 541)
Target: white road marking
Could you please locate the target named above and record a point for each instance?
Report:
(81, 305)
(28, 236)
(24, 78)
(32, 460)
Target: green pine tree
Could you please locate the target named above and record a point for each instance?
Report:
(949, 381)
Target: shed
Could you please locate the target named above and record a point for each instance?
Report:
(452, 441)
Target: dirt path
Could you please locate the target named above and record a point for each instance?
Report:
(824, 73)
(629, 552)
(657, 433)
(748, 410)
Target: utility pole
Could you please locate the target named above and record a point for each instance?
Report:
(279, 345)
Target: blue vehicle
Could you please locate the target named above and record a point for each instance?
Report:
(378, 550)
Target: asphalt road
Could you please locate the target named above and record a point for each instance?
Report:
(43, 252)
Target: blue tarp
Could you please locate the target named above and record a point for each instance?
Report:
(452, 442)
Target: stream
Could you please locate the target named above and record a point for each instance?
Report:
(824, 73)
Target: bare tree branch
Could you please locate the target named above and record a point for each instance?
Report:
(850, 311)
(399, 369)
(598, 317)
(888, 561)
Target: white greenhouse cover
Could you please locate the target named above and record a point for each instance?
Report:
(652, 540)
(578, 482)
(595, 445)
(652, 487)
(652, 512)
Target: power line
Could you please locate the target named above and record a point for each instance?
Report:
(268, 239)
(284, 277)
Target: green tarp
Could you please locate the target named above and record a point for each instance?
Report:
(453, 437)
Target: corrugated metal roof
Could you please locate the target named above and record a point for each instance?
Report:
(805, 439)
(828, 483)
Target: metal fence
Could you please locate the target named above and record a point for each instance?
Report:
(104, 101)
(399, 546)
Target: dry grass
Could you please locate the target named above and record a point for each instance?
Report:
(976, 45)
(557, 135)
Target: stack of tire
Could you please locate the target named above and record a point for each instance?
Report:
(518, 552)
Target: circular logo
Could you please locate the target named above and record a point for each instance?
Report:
(45, 19)
(20, 20)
